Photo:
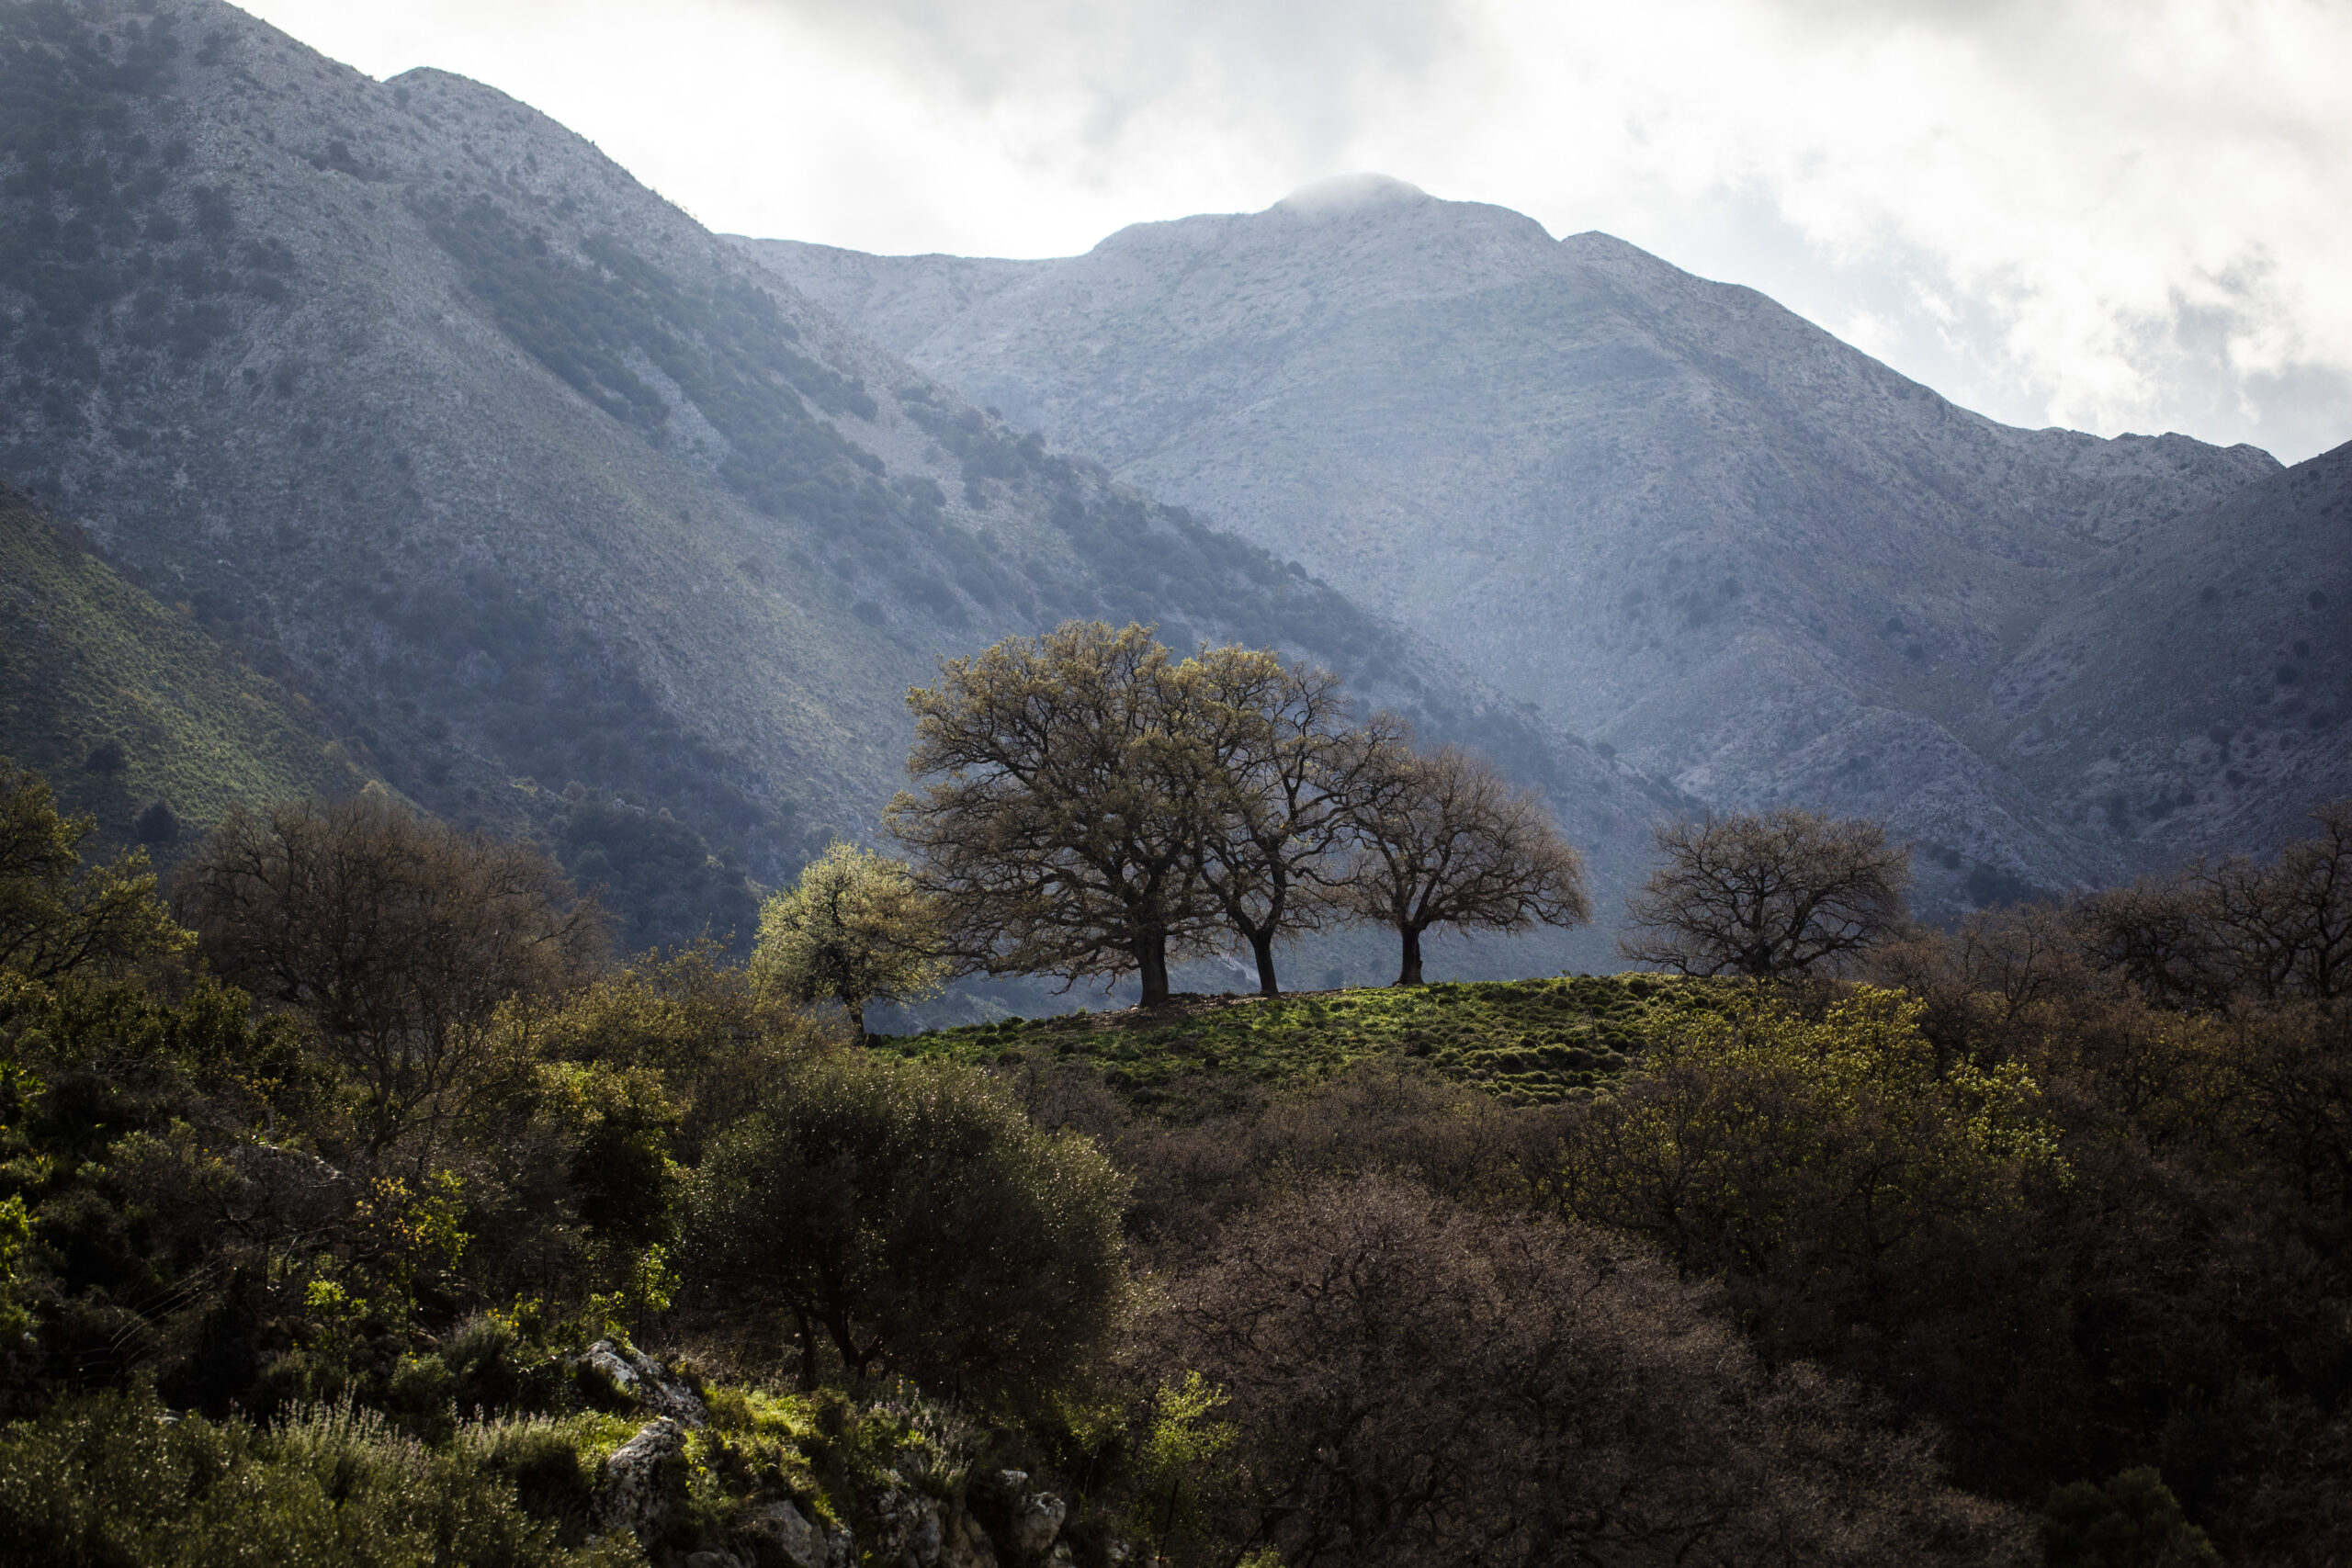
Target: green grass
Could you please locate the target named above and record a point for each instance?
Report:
(1530, 1042)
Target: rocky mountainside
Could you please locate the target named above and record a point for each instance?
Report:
(550, 506)
(1685, 523)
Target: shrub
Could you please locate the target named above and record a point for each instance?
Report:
(111, 1480)
(2132, 1522)
(1406, 1381)
(913, 1215)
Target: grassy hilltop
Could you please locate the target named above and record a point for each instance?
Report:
(1528, 1041)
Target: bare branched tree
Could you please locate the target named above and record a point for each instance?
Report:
(401, 941)
(1272, 857)
(1781, 893)
(1444, 841)
(2236, 928)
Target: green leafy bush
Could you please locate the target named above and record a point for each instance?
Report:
(111, 1479)
(2133, 1521)
(911, 1215)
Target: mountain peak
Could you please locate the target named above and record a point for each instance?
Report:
(1343, 195)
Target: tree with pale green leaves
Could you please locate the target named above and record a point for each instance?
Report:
(856, 930)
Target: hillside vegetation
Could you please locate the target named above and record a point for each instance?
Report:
(441, 1236)
(130, 703)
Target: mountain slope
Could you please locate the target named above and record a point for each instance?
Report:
(568, 514)
(1676, 517)
(2192, 687)
(126, 703)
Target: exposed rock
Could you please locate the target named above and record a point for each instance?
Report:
(293, 1188)
(636, 1494)
(1038, 1522)
(640, 1377)
(968, 1544)
(780, 1536)
(911, 1534)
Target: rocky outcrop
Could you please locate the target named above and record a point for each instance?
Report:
(1027, 1522)
(778, 1534)
(968, 1544)
(636, 1493)
(911, 1532)
(632, 1375)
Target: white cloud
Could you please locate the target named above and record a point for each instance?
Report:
(2113, 215)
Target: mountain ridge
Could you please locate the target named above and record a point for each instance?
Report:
(1677, 518)
(542, 495)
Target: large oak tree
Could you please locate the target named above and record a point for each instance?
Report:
(1071, 777)
(1273, 854)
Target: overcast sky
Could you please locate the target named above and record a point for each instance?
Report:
(2109, 215)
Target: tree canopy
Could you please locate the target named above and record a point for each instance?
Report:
(401, 938)
(1072, 777)
(910, 1215)
(1096, 806)
(1443, 841)
(855, 929)
(58, 915)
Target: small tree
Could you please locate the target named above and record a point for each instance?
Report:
(402, 941)
(910, 1215)
(1778, 894)
(1071, 783)
(855, 929)
(57, 915)
(2210, 932)
(1443, 840)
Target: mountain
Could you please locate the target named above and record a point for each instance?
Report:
(1683, 523)
(538, 500)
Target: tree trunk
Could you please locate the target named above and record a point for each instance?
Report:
(857, 1022)
(1411, 973)
(1262, 944)
(1151, 963)
(808, 1349)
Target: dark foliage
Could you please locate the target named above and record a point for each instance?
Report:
(1408, 1382)
(910, 1215)
(656, 873)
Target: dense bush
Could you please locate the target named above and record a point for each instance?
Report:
(910, 1214)
(1303, 1282)
(1404, 1381)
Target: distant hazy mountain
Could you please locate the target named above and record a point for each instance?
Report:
(516, 479)
(1688, 524)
